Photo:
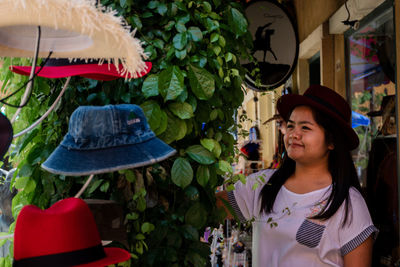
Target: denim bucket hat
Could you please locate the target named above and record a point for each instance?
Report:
(104, 139)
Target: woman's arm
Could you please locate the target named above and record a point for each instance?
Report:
(361, 255)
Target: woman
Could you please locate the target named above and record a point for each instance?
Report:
(310, 211)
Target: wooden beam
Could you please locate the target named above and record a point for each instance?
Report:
(327, 58)
(340, 70)
(303, 76)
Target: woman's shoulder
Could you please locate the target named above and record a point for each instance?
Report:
(355, 194)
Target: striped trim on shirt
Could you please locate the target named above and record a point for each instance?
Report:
(358, 240)
(233, 203)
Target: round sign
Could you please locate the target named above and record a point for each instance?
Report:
(275, 45)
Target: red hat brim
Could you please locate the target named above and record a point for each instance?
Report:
(288, 102)
(113, 256)
(103, 72)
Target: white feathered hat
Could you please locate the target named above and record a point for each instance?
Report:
(70, 29)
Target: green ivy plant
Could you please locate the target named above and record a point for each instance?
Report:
(190, 99)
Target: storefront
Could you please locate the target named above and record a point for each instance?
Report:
(355, 44)
(350, 46)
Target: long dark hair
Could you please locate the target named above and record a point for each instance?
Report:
(340, 165)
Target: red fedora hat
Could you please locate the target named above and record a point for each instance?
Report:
(328, 102)
(63, 235)
(92, 69)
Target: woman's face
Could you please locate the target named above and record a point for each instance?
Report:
(305, 139)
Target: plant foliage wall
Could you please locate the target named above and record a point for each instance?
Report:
(189, 98)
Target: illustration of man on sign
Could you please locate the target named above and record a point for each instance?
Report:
(263, 40)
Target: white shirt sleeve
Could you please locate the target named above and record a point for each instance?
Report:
(245, 198)
(358, 226)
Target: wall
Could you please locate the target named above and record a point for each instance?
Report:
(311, 13)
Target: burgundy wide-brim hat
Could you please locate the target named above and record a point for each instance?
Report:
(63, 235)
(326, 101)
(61, 68)
(6, 135)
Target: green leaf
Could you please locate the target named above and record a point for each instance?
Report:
(182, 129)
(228, 57)
(136, 22)
(213, 114)
(181, 110)
(158, 43)
(130, 176)
(169, 25)
(163, 123)
(216, 49)
(141, 204)
(122, 3)
(201, 82)
(28, 139)
(200, 154)
(181, 172)
(152, 111)
(184, 19)
(173, 129)
(150, 86)
(104, 187)
(140, 237)
(196, 215)
(152, 4)
(180, 40)
(170, 83)
(162, 9)
(225, 166)
(207, 143)
(211, 25)
(217, 149)
(26, 170)
(181, 54)
(218, 136)
(147, 227)
(94, 185)
(203, 175)
(180, 27)
(207, 7)
(132, 216)
(21, 182)
(221, 41)
(214, 37)
(195, 33)
(237, 22)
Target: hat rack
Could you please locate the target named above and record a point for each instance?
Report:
(29, 86)
(84, 186)
(33, 125)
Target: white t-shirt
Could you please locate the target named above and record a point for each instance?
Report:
(287, 237)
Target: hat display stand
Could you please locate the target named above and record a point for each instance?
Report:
(85, 185)
(29, 86)
(36, 123)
